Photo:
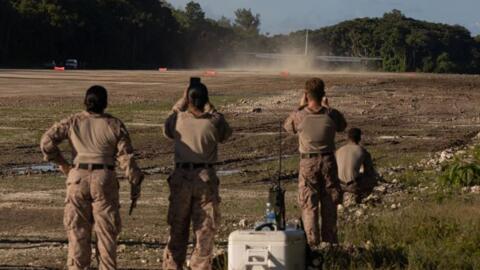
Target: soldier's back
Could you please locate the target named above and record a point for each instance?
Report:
(94, 137)
(316, 131)
(196, 139)
(350, 159)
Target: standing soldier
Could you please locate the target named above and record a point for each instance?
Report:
(355, 168)
(92, 200)
(316, 124)
(196, 129)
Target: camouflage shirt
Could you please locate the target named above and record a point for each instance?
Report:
(196, 138)
(94, 139)
(316, 129)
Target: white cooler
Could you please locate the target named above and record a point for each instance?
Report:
(259, 250)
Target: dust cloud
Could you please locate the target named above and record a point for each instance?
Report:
(288, 61)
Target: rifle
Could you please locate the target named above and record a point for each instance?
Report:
(276, 194)
(133, 204)
(135, 190)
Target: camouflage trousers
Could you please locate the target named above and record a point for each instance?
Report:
(92, 202)
(360, 187)
(318, 184)
(193, 198)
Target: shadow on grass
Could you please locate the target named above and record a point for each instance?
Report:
(359, 258)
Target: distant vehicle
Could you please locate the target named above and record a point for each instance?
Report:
(71, 64)
(50, 64)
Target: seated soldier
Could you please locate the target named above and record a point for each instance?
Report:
(355, 168)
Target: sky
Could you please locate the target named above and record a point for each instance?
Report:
(284, 16)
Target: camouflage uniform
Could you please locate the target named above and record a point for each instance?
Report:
(355, 170)
(92, 198)
(194, 194)
(318, 181)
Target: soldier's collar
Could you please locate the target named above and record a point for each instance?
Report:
(202, 115)
(92, 114)
(321, 109)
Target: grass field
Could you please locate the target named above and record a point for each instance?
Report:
(405, 118)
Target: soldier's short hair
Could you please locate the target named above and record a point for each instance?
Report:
(96, 99)
(198, 95)
(315, 89)
(355, 135)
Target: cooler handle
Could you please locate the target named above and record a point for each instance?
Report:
(258, 254)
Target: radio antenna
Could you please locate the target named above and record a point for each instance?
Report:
(280, 152)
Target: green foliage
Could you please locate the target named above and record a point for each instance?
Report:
(405, 44)
(204, 41)
(101, 33)
(443, 195)
(220, 262)
(476, 152)
(425, 235)
(412, 178)
(444, 64)
(246, 21)
(194, 13)
(224, 22)
(151, 33)
(428, 64)
(376, 257)
(461, 173)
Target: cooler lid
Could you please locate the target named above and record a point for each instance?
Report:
(267, 236)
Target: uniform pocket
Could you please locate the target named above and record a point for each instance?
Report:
(209, 185)
(308, 171)
(107, 178)
(115, 221)
(74, 185)
(69, 217)
(330, 171)
(175, 181)
(301, 198)
(73, 177)
(74, 223)
(307, 198)
(330, 175)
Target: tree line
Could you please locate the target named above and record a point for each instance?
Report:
(152, 33)
(404, 44)
(119, 33)
(101, 33)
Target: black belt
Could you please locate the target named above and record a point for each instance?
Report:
(192, 166)
(86, 166)
(314, 155)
